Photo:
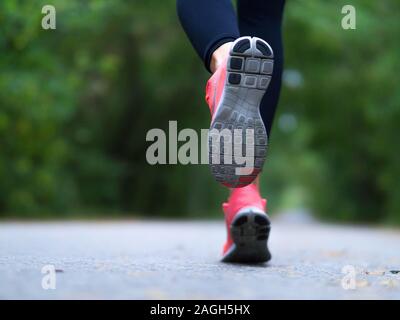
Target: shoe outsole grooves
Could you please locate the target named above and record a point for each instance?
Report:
(250, 232)
(249, 71)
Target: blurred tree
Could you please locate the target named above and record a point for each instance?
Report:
(350, 103)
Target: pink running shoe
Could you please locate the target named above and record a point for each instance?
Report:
(248, 226)
(234, 93)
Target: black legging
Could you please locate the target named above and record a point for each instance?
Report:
(211, 23)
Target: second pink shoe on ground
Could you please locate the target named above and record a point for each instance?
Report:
(248, 226)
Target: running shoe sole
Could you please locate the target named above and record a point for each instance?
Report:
(249, 71)
(250, 232)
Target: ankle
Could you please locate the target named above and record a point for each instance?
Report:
(219, 56)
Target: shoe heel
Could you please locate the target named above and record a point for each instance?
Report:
(250, 231)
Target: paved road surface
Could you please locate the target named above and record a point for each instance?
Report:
(179, 260)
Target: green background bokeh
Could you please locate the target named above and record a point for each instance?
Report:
(76, 104)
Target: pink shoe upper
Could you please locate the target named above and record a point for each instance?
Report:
(215, 88)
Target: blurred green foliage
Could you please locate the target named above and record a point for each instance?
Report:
(76, 104)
